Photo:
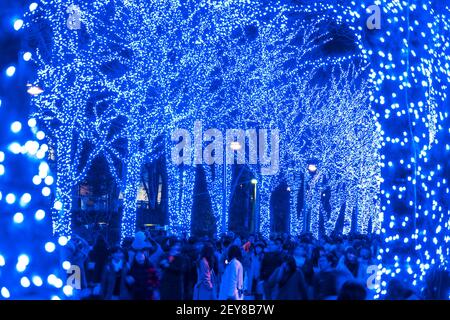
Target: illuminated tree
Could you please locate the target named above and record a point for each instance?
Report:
(338, 131)
(289, 95)
(29, 256)
(75, 106)
(409, 69)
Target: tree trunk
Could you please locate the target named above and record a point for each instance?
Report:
(265, 188)
(180, 189)
(214, 182)
(62, 209)
(130, 189)
(296, 221)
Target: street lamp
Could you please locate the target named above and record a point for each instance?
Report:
(235, 145)
(255, 203)
(34, 90)
(312, 166)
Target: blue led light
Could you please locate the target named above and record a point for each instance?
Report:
(5, 293)
(18, 217)
(16, 127)
(10, 198)
(10, 71)
(18, 23)
(50, 247)
(39, 215)
(37, 281)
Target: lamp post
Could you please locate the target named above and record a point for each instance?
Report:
(254, 182)
(311, 168)
(235, 146)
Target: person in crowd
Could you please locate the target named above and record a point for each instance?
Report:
(232, 284)
(98, 257)
(272, 259)
(127, 248)
(365, 256)
(303, 262)
(279, 244)
(348, 267)
(316, 253)
(324, 283)
(113, 285)
(155, 251)
(352, 290)
(287, 282)
(226, 243)
(257, 255)
(246, 264)
(205, 288)
(248, 268)
(364, 271)
(398, 290)
(173, 267)
(191, 253)
(142, 279)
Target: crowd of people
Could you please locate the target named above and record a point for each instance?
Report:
(153, 266)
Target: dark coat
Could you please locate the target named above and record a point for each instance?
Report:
(292, 289)
(145, 281)
(172, 280)
(270, 262)
(325, 285)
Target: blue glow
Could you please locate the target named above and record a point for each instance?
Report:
(23, 234)
(68, 290)
(33, 6)
(10, 71)
(18, 23)
(51, 279)
(50, 247)
(407, 90)
(62, 240)
(31, 147)
(40, 135)
(25, 199)
(49, 180)
(39, 215)
(66, 265)
(18, 217)
(32, 122)
(37, 281)
(27, 56)
(10, 198)
(5, 293)
(22, 262)
(16, 126)
(15, 148)
(25, 282)
(23, 258)
(37, 180)
(46, 191)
